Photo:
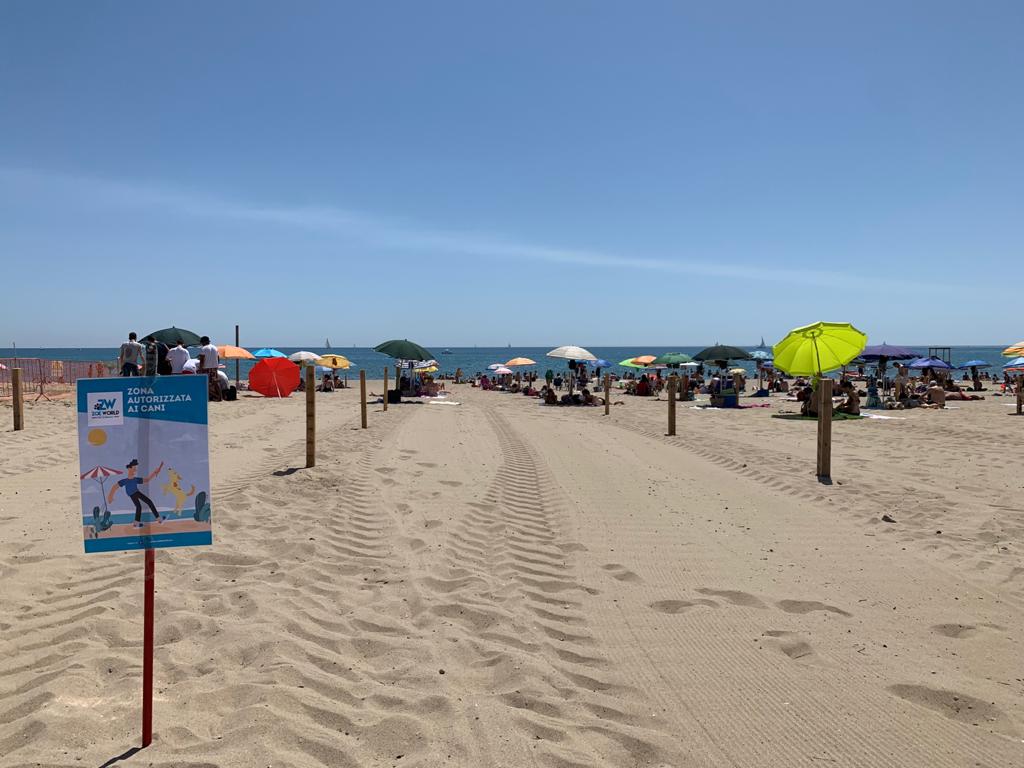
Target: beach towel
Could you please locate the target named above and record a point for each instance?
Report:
(835, 417)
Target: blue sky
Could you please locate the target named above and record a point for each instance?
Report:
(536, 173)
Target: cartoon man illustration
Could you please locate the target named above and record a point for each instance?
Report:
(131, 487)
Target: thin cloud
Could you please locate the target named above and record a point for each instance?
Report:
(394, 234)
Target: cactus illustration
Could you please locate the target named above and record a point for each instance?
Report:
(100, 523)
(202, 513)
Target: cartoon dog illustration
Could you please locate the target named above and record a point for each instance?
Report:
(173, 488)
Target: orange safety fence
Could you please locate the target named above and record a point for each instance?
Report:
(45, 376)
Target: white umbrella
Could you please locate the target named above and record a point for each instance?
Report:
(571, 353)
(303, 357)
(494, 366)
(502, 370)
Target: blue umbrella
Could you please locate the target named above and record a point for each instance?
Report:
(598, 363)
(974, 364)
(265, 352)
(1017, 362)
(929, 362)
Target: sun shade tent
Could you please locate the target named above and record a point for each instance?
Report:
(814, 349)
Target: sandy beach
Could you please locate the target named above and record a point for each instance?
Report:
(499, 583)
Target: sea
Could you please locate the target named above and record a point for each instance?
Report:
(470, 359)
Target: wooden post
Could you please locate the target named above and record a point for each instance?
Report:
(385, 387)
(607, 393)
(1020, 395)
(685, 394)
(672, 405)
(147, 647)
(362, 398)
(310, 416)
(825, 428)
(237, 362)
(19, 400)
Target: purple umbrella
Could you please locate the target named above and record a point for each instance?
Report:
(889, 352)
(929, 362)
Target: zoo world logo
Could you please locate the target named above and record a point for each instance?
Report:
(105, 409)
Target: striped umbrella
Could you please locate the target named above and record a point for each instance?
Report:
(101, 474)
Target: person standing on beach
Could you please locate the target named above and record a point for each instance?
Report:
(209, 359)
(128, 358)
(155, 353)
(131, 487)
(176, 357)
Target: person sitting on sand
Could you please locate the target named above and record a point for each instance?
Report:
(808, 399)
(550, 398)
(935, 394)
(643, 387)
(327, 385)
(852, 403)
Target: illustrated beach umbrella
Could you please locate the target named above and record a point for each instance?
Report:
(819, 347)
(101, 474)
(269, 352)
(722, 352)
(170, 336)
(672, 359)
(303, 357)
(274, 377)
(403, 349)
(231, 352)
(520, 361)
(571, 352)
(334, 361)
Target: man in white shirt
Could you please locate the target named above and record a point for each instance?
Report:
(129, 355)
(209, 359)
(177, 356)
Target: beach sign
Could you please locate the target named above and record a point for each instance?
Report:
(144, 463)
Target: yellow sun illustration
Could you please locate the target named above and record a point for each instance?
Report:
(97, 437)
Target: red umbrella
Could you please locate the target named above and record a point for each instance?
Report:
(274, 377)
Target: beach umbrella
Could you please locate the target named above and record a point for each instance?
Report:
(644, 360)
(630, 363)
(741, 371)
(571, 352)
(672, 359)
(101, 474)
(722, 352)
(600, 363)
(303, 357)
(494, 366)
(1014, 350)
(760, 354)
(333, 361)
(403, 349)
(274, 377)
(1017, 362)
(268, 352)
(502, 371)
(230, 352)
(974, 364)
(520, 361)
(885, 351)
(817, 348)
(929, 362)
(170, 336)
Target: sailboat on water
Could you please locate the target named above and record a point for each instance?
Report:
(327, 343)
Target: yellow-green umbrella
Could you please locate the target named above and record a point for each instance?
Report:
(817, 348)
(334, 361)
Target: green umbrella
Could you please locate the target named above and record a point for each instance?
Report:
(672, 359)
(722, 352)
(403, 349)
(171, 335)
(628, 363)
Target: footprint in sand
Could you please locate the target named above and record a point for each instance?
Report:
(680, 606)
(790, 643)
(806, 606)
(621, 572)
(451, 483)
(957, 706)
(735, 597)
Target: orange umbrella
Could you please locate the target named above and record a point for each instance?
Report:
(274, 377)
(644, 359)
(230, 352)
(520, 361)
